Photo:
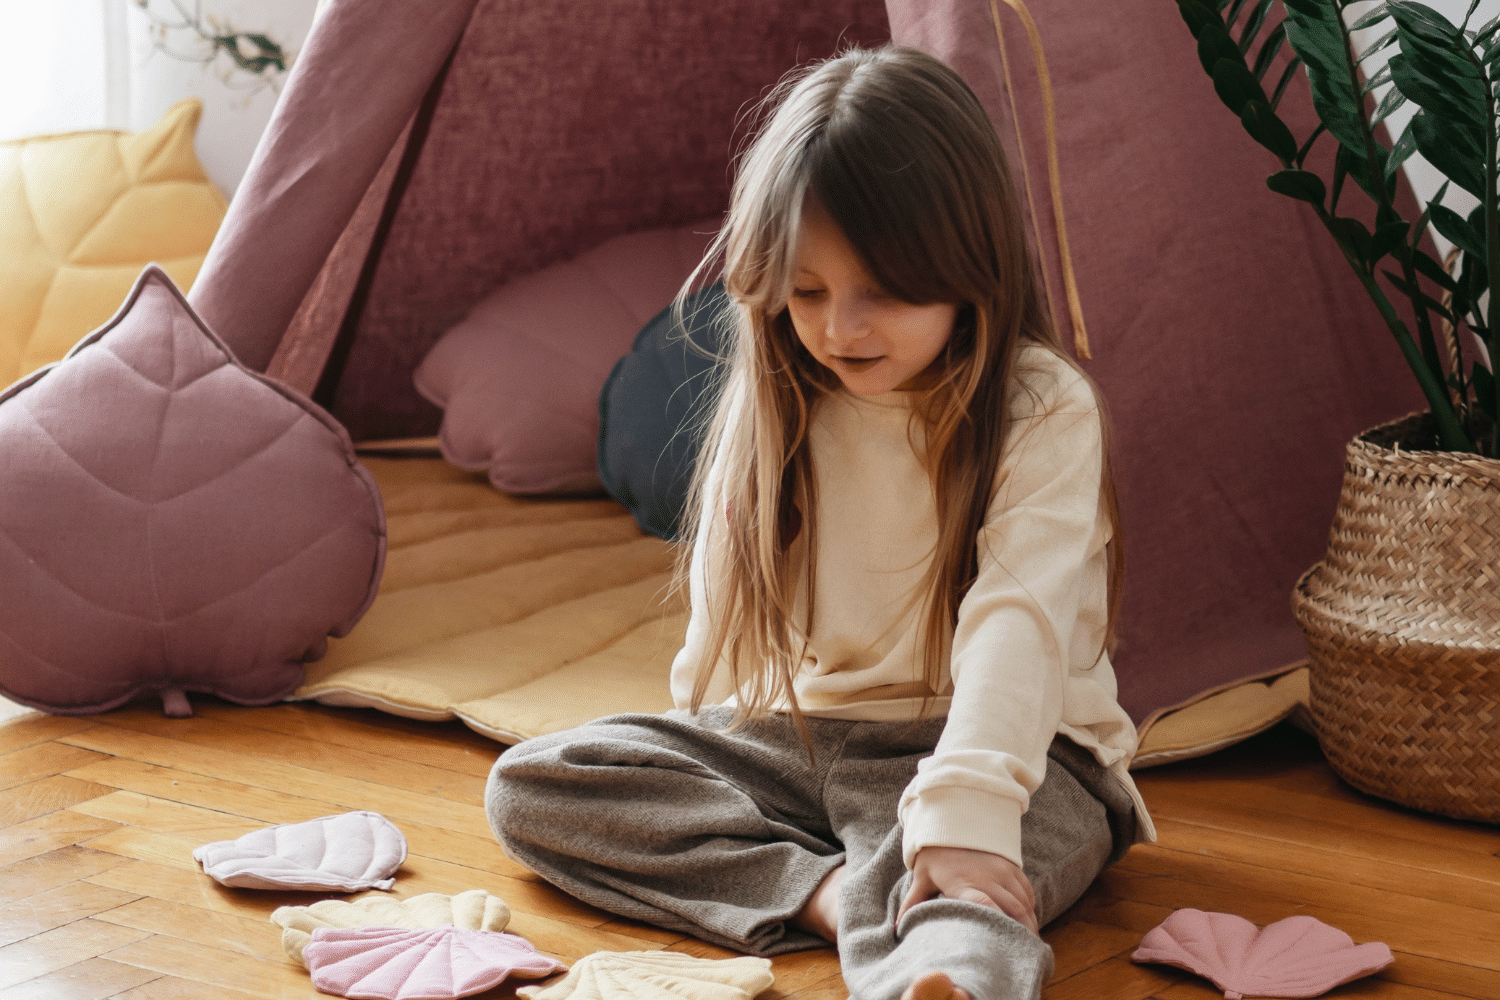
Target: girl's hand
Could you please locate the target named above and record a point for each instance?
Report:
(976, 876)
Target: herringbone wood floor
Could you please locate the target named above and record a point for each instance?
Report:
(100, 896)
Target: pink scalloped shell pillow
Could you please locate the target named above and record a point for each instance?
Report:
(172, 521)
(519, 377)
(345, 852)
(1297, 957)
(394, 963)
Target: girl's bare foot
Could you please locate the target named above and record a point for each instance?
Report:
(934, 986)
(821, 914)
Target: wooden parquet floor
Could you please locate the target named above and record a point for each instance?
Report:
(100, 896)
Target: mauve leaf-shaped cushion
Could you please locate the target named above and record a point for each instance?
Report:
(170, 520)
(394, 963)
(346, 852)
(657, 975)
(518, 378)
(1297, 957)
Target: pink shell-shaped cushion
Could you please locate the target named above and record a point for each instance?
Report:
(519, 377)
(347, 852)
(170, 521)
(393, 963)
(1296, 957)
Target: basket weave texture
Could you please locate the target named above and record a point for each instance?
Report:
(1402, 619)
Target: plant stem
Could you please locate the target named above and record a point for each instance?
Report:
(1425, 364)
(1384, 207)
(1491, 250)
(1450, 430)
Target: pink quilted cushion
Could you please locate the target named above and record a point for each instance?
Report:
(171, 521)
(519, 377)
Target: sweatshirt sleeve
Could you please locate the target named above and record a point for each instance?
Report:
(1041, 567)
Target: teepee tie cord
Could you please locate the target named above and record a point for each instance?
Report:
(1054, 176)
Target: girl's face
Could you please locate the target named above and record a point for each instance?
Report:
(873, 341)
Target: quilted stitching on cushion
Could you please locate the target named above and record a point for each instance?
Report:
(349, 851)
(81, 214)
(473, 909)
(170, 520)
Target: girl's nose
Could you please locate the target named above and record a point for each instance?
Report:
(848, 323)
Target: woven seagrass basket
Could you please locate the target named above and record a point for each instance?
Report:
(1402, 620)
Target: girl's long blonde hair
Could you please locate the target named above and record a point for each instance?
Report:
(900, 152)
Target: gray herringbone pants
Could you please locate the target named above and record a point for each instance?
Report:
(667, 819)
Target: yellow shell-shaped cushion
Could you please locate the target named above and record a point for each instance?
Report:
(474, 910)
(81, 215)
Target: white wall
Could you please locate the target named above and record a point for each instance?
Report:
(73, 65)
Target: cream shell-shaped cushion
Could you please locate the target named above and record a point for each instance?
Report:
(347, 852)
(81, 214)
(474, 910)
(657, 975)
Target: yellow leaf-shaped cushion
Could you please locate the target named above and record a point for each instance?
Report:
(474, 910)
(657, 975)
(81, 215)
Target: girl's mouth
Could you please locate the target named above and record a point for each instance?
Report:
(857, 364)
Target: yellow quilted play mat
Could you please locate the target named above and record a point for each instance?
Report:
(528, 616)
(518, 616)
(81, 215)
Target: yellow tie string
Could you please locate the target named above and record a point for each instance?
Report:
(1065, 256)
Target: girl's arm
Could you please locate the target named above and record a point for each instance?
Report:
(1040, 592)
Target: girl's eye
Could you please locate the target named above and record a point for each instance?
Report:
(806, 293)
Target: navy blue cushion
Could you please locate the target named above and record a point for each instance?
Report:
(654, 406)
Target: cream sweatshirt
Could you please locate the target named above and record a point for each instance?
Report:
(1025, 661)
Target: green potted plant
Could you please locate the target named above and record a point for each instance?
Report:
(1402, 616)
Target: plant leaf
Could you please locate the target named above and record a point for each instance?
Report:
(1308, 145)
(1340, 174)
(1353, 236)
(1484, 389)
(1417, 295)
(1449, 152)
(1316, 33)
(1237, 87)
(1469, 14)
(1275, 39)
(1456, 230)
(1366, 178)
(1382, 42)
(1253, 24)
(1304, 185)
(1214, 44)
(1197, 16)
(1484, 34)
(1393, 99)
(1379, 13)
(1268, 130)
(1378, 80)
(1387, 238)
(1401, 151)
(1444, 85)
(1431, 269)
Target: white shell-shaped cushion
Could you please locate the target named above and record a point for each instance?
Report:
(474, 910)
(657, 975)
(347, 852)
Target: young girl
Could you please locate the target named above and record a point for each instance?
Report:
(896, 724)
